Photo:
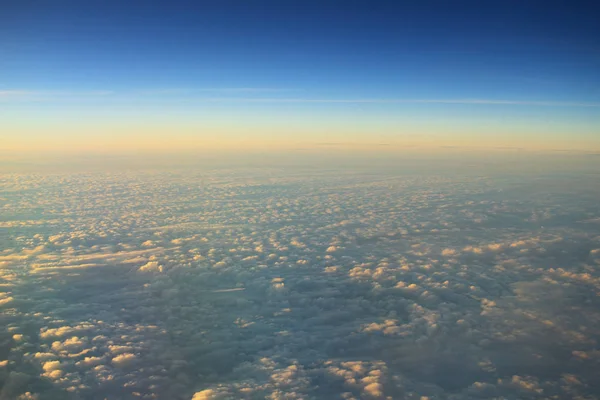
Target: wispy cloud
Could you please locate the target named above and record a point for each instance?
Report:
(171, 93)
(508, 102)
(402, 101)
(7, 95)
(182, 91)
(195, 95)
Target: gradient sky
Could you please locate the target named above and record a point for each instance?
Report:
(235, 74)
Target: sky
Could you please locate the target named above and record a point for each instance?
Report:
(137, 75)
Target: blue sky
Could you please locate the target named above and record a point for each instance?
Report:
(491, 67)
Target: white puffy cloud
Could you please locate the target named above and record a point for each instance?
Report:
(70, 345)
(449, 252)
(53, 369)
(123, 360)
(44, 356)
(62, 331)
(50, 366)
(5, 299)
(151, 266)
(28, 396)
(207, 394)
(367, 378)
(90, 362)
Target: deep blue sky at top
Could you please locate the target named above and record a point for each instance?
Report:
(530, 50)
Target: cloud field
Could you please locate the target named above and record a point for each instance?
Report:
(299, 284)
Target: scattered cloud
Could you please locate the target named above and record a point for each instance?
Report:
(299, 284)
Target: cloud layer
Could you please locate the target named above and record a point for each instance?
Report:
(299, 284)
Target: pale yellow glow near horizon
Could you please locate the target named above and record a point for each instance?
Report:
(234, 136)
